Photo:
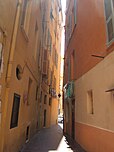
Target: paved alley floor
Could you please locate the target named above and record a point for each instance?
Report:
(51, 140)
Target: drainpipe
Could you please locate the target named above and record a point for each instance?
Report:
(9, 72)
(13, 42)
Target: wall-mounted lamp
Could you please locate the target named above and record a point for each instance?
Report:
(59, 95)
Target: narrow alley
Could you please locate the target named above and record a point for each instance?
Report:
(56, 75)
(51, 140)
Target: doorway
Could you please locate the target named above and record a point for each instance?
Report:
(44, 118)
(27, 133)
(73, 118)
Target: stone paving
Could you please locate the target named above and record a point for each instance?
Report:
(51, 140)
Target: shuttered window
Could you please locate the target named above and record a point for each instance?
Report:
(26, 15)
(109, 12)
(45, 62)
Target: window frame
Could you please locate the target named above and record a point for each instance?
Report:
(2, 41)
(109, 42)
(45, 99)
(90, 102)
(15, 112)
(25, 17)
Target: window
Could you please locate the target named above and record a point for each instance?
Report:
(45, 118)
(43, 20)
(50, 100)
(109, 12)
(90, 108)
(51, 14)
(49, 41)
(54, 83)
(56, 59)
(26, 15)
(1, 47)
(70, 25)
(73, 66)
(51, 77)
(1, 50)
(36, 92)
(36, 41)
(41, 97)
(45, 99)
(45, 63)
(15, 111)
(68, 29)
(19, 72)
(27, 133)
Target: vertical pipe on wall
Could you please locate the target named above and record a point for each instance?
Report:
(9, 70)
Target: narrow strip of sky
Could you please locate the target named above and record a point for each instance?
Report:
(63, 2)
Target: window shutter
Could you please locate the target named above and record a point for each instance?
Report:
(45, 54)
(109, 12)
(45, 62)
(108, 9)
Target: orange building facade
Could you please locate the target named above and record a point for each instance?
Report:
(88, 80)
(51, 55)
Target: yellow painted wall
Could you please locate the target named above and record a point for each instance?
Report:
(52, 111)
(6, 16)
(22, 53)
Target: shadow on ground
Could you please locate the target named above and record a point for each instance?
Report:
(51, 140)
(73, 144)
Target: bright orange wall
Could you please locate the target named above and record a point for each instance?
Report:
(94, 139)
(89, 36)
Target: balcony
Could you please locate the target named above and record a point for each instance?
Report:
(69, 90)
